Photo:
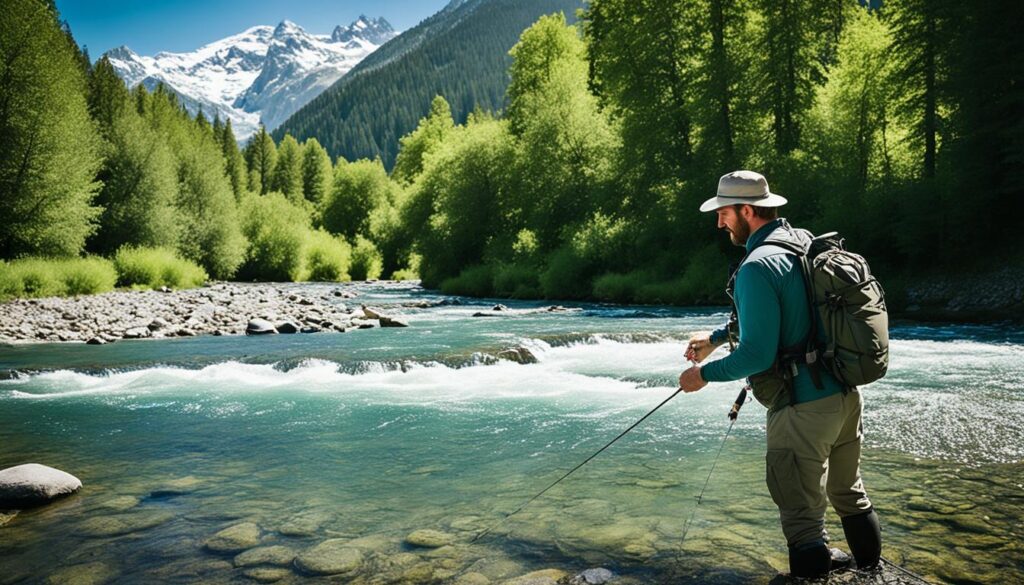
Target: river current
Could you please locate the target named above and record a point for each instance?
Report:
(367, 437)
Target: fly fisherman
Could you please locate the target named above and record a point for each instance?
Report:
(814, 423)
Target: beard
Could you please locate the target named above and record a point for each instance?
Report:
(741, 232)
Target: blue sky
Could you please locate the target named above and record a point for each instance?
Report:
(183, 25)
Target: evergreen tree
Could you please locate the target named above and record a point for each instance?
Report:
(317, 172)
(108, 96)
(49, 147)
(260, 157)
(287, 175)
(234, 163)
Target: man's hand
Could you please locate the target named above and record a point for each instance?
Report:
(691, 380)
(700, 347)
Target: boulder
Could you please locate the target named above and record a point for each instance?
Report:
(330, 557)
(371, 313)
(519, 355)
(287, 327)
(158, 324)
(598, 576)
(280, 556)
(234, 539)
(310, 329)
(499, 307)
(137, 333)
(429, 538)
(33, 484)
(386, 321)
(260, 327)
(96, 341)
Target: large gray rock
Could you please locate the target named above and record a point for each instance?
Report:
(598, 576)
(260, 327)
(386, 321)
(32, 484)
(330, 557)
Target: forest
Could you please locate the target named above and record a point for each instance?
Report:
(900, 126)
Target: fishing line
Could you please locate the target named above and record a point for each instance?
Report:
(570, 472)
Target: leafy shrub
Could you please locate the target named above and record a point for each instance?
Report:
(277, 231)
(567, 276)
(620, 288)
(367, 262)
(411, 272)
(44, 277)
(327, 257)
(474, 281)
(156, 267)
(516, 281)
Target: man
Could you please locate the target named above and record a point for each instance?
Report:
(814, 423)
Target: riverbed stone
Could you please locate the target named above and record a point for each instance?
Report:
(287, 327)
(119, 524)
(267, 574)
(330, 557)
(33, 484)
(595, 576)
(542, 577)
(234, 539)
(260, 327)
(386, 321)
(280, 556)
(427, 538)
(472, 578)
(6, 516)
(95, 573)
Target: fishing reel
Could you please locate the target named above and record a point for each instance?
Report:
(740, 401)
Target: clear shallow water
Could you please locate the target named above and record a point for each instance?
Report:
(370, 435)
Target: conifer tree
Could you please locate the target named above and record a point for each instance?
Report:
(287, 175)
(317, 172)
(108, 96)
(260, 157)
(234, 163)
(49, 147)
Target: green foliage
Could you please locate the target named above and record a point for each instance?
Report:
(156, 267)
(47, 277)
(367, 262)
(140, 186)
(567, 275)
(360, 188)
(49, 147)
(516, 281)
(277, 231)
(419, 143)
(261, 159)
(460, 53)
(317, 171)
(234, 162)
(327, 257)
(287, 175)
(474, 281)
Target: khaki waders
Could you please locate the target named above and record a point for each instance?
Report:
(814, 451)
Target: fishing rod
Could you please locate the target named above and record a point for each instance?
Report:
(570, 472)
(734, 413)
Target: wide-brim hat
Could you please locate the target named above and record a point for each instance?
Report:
(744, 188)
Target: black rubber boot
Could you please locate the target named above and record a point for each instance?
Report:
(810, 561)
(865, 538)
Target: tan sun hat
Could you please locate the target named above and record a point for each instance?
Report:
(743, 187)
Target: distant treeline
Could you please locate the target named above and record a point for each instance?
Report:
(900, 127)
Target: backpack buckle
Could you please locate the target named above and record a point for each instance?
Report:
(811, 357)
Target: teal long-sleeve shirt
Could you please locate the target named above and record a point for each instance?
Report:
(771, 304)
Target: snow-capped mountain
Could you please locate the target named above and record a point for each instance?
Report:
(263, 74)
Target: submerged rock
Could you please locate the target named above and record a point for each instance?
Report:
(234, 539)
(267, 574)
(280, 556)
(32, 484)
(330, 557)
(83, 574)
(543, 577)
(123, 523)
(429, 538)
(597, 576)
(386, 321)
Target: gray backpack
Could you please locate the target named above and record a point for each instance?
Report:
(850, 308)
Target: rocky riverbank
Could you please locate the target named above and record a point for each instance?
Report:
(215, 309)
(989, 296)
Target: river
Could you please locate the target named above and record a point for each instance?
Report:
(371, 435)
